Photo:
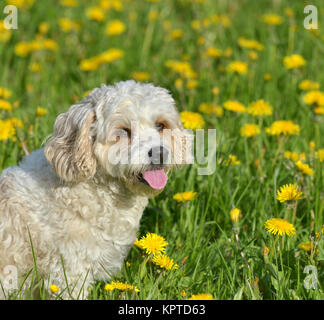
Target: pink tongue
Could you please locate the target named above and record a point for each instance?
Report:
(157, 179)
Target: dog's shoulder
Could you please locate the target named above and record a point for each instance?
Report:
(32, 173)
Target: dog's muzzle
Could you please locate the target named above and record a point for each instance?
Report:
(158, 155)
(154, 175)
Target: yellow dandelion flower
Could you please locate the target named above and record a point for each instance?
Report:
(320, 155)
(153, 244)
(289, 12)
(29, 87)
(195, 24)
(153, 15)
(267, 77)
(5, 34)
(213, 52)
(115, 27)
(15, 122)
(294, 61)
(259, 108)
(183, 68)
(21, 4)
(235, 214)
(238, 67)
(176, 34)
(306, 246)
(250, 44)
(5, 93)
(287, 154)
(7, 130)
(111, 4)
(43, 27)
(201, 296)
(69, 3)
(314, 97)
(192, 84)
(5, 105)
(50, 44)
(54, 288)
(68, 25)
(280, 227)
(307, 85)
(192, 120)
(312, 145)
(111, 55)
(41, 111)
(178, 83)
(163, 261)
(138, 244)
(223, 19)
(215, 91)
(305, 168)
(120, 286)
(201, 40)
(250, 130)
(206, 22)
(95, 13)
(289, 192)
(283, 127)
(233, 161)
(295, 156)
(265, 251)
(253, 55)
(211, 109)
(272, 19)
(35, 67)
(234, 106)
(319, 110)
(185, 196)
(228, 52)
(22, 49)
(141, 76)
(183, 293)
(89, 64)
(106, 57)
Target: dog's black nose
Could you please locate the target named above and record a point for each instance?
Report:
(158, 155)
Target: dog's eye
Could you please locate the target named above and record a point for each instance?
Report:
(160, 126)
(123, 132)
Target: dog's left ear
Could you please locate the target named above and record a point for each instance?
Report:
(70, 148)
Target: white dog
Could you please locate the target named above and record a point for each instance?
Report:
(73, 202)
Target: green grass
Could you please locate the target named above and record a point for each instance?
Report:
(201, 236)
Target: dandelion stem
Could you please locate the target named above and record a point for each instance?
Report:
(240, 249)
(281, 143)
(294, 212)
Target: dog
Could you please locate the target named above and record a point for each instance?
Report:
(73, 208)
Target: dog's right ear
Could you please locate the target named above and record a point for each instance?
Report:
(70, 148)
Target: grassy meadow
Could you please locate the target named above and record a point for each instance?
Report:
(236, 66)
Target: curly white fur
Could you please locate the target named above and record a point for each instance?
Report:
(70, 201)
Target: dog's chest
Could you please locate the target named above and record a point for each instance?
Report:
(114, 235)
(97, 226)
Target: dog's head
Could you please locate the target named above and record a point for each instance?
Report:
(130, 131)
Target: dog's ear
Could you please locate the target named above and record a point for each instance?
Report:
(70, 148)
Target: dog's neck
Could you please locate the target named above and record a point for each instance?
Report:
(118, 191)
